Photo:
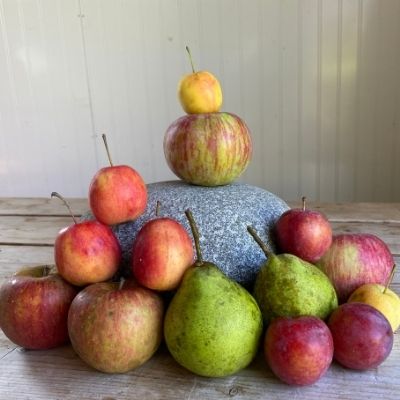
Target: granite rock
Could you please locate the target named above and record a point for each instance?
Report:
(222, 215)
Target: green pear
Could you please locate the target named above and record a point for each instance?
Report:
(287, 286)
(213, 325)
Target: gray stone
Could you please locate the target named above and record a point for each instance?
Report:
(222, 215)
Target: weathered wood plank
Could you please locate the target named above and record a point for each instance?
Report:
(377, 212)
(37, 230)
(59, 373)
(368, 212)
(41, 206)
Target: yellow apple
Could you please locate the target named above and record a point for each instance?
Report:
(199, 92)
(383, 299)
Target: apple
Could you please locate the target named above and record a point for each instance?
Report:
(115, 327)
(117, 193)
(298, 350)
(199, 92)
(86, 252)
(162, 252)
(362, 336)
(305, 233)
(380, 297)
(355, 259)
(208, 149)
(34, 306)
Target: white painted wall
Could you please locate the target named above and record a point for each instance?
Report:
(317, 81)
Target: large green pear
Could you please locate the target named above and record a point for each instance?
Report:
(287, 286)
(213, 325)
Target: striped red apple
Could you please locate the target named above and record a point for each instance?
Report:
(209, 149)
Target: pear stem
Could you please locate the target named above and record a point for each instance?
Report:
(303, 200)
(107, 149)
(121, 283)
(158, 206)
(190, 58)
(195, 234)
(46, 270)
(55, 194)
(257, 238)
(390, 279)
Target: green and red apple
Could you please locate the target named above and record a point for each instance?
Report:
(115, 327)
(208, 149)
(34, 306)
(356, 259)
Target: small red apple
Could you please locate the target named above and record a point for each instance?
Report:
(362, 336)
(298, 350)
(162, 252)
(305, 233)
(34, 306)
(117, 193)
(354, 260)
(86, 252)
(115, 327)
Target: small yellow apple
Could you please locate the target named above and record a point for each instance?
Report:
(199, 92)
(383, 299)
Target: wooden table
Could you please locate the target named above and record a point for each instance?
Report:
(27, 231)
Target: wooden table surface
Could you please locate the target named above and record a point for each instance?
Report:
(27, 231)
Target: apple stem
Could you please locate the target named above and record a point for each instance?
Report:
(190, 58)
(258, 240)
(46, 270)
(158, 206)
(121, 283)
(303, 200)
(107, 149)
(55, 194)
(390, 279)
(195, 233)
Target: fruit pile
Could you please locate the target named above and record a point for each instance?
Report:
(321, 297)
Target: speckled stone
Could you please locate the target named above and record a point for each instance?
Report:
(222, 215)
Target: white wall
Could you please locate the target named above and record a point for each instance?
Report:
(317, 81)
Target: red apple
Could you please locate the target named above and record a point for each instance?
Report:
(305, 233)
(208, 149)
(162, 252)
(354, 260)
(115, 329)
(117, 193)
(298, 350)
(34, 306)
(86, 252)
(362, 336)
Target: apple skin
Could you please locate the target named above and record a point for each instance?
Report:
(87, 252)
(34, 306)
(362, 336)
(354, 260)
(200, 92)
(305, 233)
(298, 350)
(117, 194)
(208, 149)
(162, 252)
(383, 299)
(115, 329)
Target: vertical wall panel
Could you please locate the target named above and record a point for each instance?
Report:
(317, 82)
